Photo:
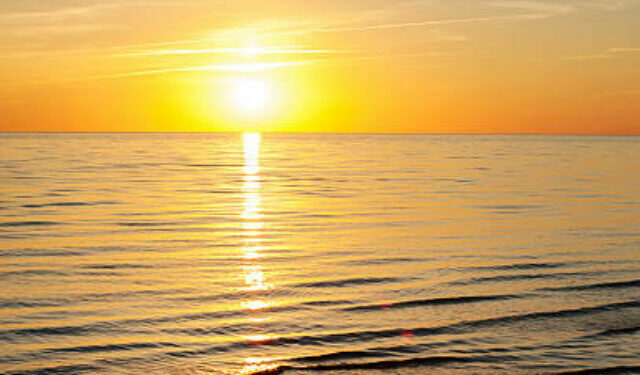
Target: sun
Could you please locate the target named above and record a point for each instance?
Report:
(251, 95)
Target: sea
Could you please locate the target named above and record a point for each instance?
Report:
(248, 253)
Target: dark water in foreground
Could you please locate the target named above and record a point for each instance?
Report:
(223, 254)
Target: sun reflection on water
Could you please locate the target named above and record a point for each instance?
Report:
(257, 303)
(254, 277)
(251, 143)
(255, 283)
(261, 368)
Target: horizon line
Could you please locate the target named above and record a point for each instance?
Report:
(320, 132)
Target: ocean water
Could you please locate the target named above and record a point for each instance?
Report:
(319, 253)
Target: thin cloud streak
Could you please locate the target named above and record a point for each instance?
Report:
(624, 49)
(347, 60)
(242, 51)
(245, 68)
(297, 28)
(426, 23)
(608, 54)
(536, 6)
(78, 11)
(320, 28)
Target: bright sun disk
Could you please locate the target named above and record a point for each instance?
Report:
(251, 95)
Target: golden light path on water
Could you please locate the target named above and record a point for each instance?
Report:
(252, 271)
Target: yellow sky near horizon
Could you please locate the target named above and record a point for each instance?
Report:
(433, 66)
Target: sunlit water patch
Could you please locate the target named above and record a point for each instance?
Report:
(243, 254)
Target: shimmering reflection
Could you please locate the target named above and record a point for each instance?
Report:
(251, 155)
(256, 305)
(251, 186)
(252, 272)
(259, 368)
(253, 275)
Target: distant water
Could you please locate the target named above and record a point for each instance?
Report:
(224, 253)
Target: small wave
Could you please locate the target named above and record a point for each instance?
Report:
(604, 371)
(214, 165)
(49, 352)
(524, 266)
(318, 216)
(456, 180)
(27, 223)
(12, 334)
(327, 303)
(349, 354)
(363, 336)
(31, 272)
(214, 314)
(615, 332)
(111, 347)
(213, 297)
(16, 304)
(383, 261)
(517, 277)
(144, 224)
(552, 314)
(62, 370)
(432, 302)
(348, 282)
(38, 253)
(511, 207)
(67, 204)
(58, 204)
(378, 365)
(80, 298)
(116, 266)
(220, 191)
(107, 273)
(388, 364)
(611, 285)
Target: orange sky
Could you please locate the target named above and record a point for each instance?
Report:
(432, 66)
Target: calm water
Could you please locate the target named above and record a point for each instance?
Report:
(224, 253)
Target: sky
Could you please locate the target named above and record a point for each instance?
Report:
(382, 66)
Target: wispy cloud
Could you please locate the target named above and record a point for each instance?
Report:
(348, 23)
(48, 31)
(608, 4)
(247, 52)
(242, 68)
(434, 57)
(77, 19)
(543, 7)
(55, 14)
(562, 6)
(607, 54)
(620, 93)
(399, 25)
(64, 13)
(624, 49)
(370, 20)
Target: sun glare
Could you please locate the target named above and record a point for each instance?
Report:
(251, 95)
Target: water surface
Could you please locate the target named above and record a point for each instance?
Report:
(224, 253)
